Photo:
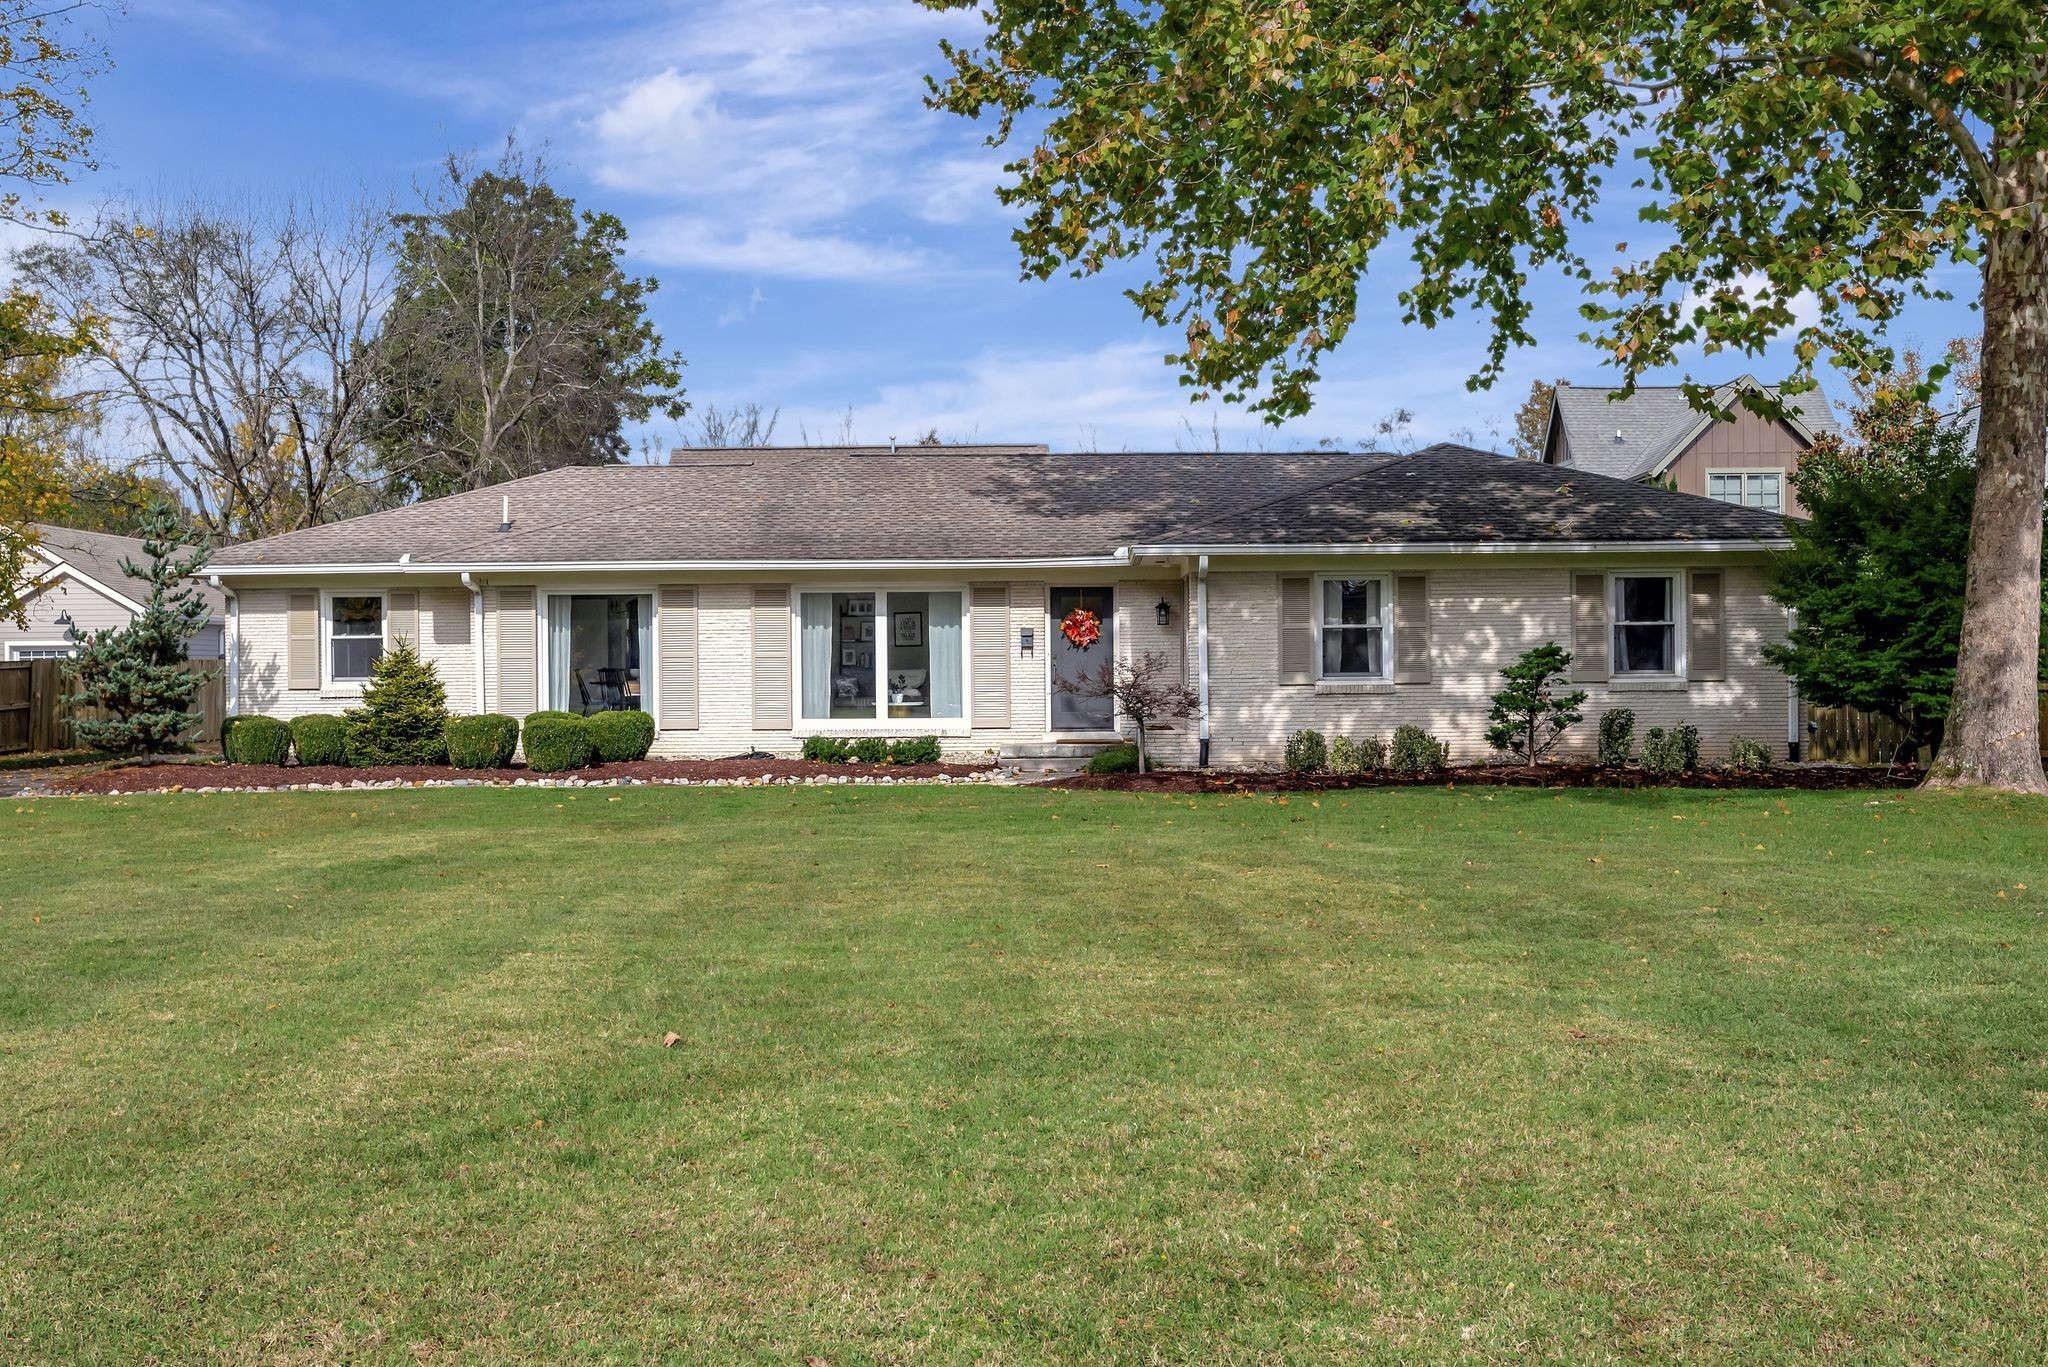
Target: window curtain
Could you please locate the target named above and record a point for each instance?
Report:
(560, 694)
(815, 652)
(643, 652)
(942, 630)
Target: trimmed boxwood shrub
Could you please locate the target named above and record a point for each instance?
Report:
(825, 749)
(1307, 752)
(1116, 759)
(485, 742)
(556, 741)
(1663, 753)
(619, 737)
(227, 724)
(869, 750)
(1617, 737)
(1349, 756)
(257, 740)
(1415, 751)
(914, 750)
(320, 740)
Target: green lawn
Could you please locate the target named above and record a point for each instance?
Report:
(1007, 1075)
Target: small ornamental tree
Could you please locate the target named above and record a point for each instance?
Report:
(1530, 714)
(404, 716)
(137, 672)
(1142, 689)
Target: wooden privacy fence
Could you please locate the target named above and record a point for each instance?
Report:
(1845, 736)
(35, 713)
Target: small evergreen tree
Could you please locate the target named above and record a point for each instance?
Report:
(1529, 715)
(404, 716)
(138, 672)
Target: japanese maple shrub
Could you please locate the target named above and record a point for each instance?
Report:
(404, 716)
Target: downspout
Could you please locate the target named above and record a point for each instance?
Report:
(233, 643)
(1793, 739)
(476, 634)
(1202, 655)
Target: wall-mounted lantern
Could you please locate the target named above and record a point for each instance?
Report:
(1165, 613)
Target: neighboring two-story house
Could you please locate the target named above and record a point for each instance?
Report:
(1655, 436)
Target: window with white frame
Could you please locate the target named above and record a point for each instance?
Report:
(1763, 489)
(40, 652)
(881, 655)
(355, 635)
(1351, 626)
(1645, 624)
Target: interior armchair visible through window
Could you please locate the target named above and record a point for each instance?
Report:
(1645, 624)
(597, 648)
(1353, 623)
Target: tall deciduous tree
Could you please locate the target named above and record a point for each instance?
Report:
(238, 349)
(35, 357)
(1791, 150)
(516, 342)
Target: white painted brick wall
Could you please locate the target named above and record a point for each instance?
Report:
(260, 655)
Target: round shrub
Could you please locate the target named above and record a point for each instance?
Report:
(320, 740)
(619, 737)
(825, 749)
(1617, 737)
(485, 742)
(1663, 753)
(227, 724)
(258, 740)
(1348, 756)
(556, 741)
(1117, 759)
(914, 750)
(869, 750)
(1415, 751)
(1747, 755)
(1307, 752)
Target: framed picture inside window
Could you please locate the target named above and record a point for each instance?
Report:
(847, 655)
(867, 630)
(867, 659)
(906, 628)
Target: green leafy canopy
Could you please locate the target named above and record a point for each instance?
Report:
(1257, 155)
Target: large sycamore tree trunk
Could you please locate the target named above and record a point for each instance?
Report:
(1993, 734)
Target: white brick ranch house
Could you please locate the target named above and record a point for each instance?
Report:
(751, 598)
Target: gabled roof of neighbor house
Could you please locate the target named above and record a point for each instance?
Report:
(96, 558)
(943, 505)
(1638, 436)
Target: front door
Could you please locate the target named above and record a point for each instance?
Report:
(1072, 664)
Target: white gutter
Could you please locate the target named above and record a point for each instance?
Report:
(1202, 655)
(476, 634)
(233, 642)
(1468, 548)
(673, 566)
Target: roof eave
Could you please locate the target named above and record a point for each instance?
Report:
(416, 566)
(1672, 545)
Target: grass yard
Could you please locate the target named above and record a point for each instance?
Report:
(1013, 1075)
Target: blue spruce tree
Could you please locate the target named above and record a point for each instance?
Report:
(137, 673)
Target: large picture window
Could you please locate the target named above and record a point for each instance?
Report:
(881, 656)
(1351, 620)
(598, 647)
(355, 636)
(1645, 624)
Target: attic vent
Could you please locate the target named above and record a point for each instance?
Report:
(1618, 438)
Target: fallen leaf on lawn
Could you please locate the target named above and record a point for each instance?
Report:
(671, 1040)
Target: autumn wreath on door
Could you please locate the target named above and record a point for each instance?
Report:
(1082, 628)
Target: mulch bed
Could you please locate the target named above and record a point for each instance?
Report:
(1823, 777)
(147, 778)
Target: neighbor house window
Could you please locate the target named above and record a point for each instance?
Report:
(1645, 624)
(881, 656)
(1352, 622)
(1763, 489)
(355, 636)
(22, 652)
(598, 649)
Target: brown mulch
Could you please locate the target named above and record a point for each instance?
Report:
(145, 778)
(1825, 777)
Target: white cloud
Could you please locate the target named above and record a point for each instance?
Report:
(767, 251)
(1753, 289)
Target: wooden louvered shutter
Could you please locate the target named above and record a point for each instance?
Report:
(402, 619)
(448, 620)
(988, 608)
(1592, 642)
(676, 621)
(1297, 632)
(1411, 628)
(772, 674)
(518, 663)
(302, 644)
(1707, 645)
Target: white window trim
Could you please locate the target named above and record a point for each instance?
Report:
(1747, 473)
(1679, 634)
(1387, 627)
(650, 670)
(328, 682)
(14, 649)
(881, 723)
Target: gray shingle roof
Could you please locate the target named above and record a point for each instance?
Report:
(795, 506)
(98, 556)
(1633, 437)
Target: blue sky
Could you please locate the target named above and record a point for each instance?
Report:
(824, 243)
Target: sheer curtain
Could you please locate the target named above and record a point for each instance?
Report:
(815, 655)
(559, 693)
(943, 631)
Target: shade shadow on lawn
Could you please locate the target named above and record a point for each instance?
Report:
(1010, 1074)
